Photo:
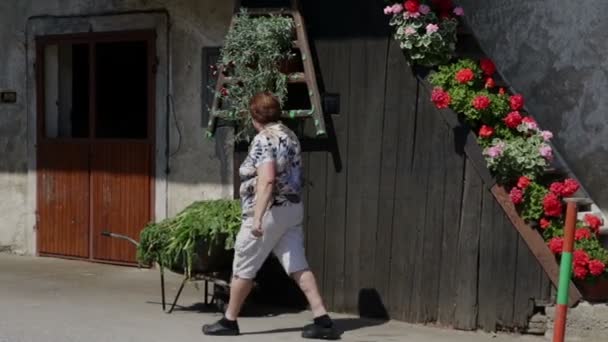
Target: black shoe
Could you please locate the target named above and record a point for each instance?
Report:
(223, 327)
(315, 331)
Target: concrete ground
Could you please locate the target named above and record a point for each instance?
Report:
(52, 300)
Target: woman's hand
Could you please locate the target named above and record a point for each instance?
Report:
(257, 230)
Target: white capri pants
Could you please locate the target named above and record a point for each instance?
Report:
(283, 235)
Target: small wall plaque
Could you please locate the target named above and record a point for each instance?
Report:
(8, 97)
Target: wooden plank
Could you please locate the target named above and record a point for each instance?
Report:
(436, 132)
(419, 179)
(317, 173)
(487, 262)
(505, 243)
(527, 285)
(535, 242)
(355, 175)
(305, 192)
(394, 103)
(334, 59)
(453, 184)
(402, 257)
(371, 116)
(468, 251)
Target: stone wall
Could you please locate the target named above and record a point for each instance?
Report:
(554, 53)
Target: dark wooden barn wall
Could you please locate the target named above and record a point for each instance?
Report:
(408, 228)
(408, 221)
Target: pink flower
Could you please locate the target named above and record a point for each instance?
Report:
(410, 31)
(408, 15)
(546, 151)
(431, 28)
(395, 9)
(529, 123)
(459, 11)
(547, 135)
(496, 150)
(424, 9)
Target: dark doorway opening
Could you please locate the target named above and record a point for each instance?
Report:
(121, 92)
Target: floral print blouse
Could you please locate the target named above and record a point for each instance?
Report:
(277, 144)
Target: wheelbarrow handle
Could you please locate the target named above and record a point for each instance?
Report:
(119, 236)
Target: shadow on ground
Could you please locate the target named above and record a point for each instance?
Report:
(342, 324)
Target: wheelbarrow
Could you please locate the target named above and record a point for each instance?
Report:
(217, 276)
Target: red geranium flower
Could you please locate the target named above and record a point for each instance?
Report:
(517, 102)
(582, 233)
(552, 205)
(517, 196)
(501, 91)
(593, 222)
(570, 187)
(224, 91)
(513, 119)
(557, 188)
(556, 245)
(481, 102)
(490, 83)
(544, 223)
(464, 76)
(412, 6)
(488, 67)
(596, 267)
(580, 272)
(486, 131)
(581, 258)
(441, 98)
(523, 182)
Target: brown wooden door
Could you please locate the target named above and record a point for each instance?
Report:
(63, 199)
(121, 197)
(95, 143)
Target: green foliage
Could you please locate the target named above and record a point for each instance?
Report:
(421, 46)
(252, 54)
(532, 207)
(445, 77)
(520, 157)
(175, 240)
(594, 248)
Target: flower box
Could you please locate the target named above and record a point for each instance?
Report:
(594, 291)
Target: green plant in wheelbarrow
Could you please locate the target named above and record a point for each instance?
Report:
(198, 240)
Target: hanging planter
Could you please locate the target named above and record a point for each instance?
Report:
(425, 30)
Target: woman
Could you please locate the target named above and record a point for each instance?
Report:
(271, 182)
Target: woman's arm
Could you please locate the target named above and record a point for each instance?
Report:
(265, 188)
